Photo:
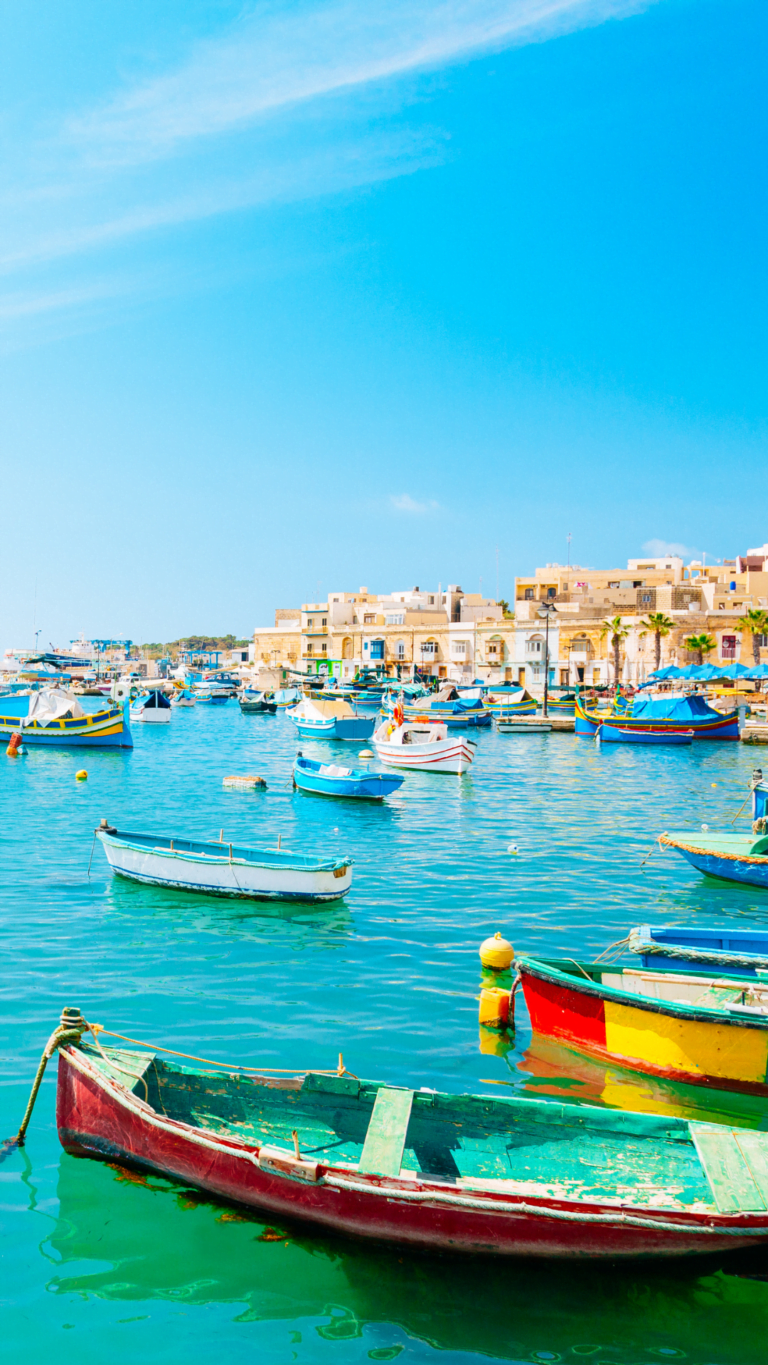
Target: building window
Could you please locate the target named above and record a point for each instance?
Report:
(324, 621)
(529, 594)
(324, 648)
(310, 648)
(310, 623)
(377, 649)
(551, 592)
(398, 620)
(400, 649)
(431, 601)
(369, 620)
(728, 646)
(429, 647)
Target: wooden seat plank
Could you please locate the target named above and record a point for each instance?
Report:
(730, 1178)
(754, 1149)
(385, 1139)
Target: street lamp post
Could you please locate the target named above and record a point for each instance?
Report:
(545, 611)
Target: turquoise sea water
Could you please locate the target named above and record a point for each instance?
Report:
(102, 1265)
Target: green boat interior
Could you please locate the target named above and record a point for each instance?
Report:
(509, 1145)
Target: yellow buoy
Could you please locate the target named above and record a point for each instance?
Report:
(497, 952)
(81, 775)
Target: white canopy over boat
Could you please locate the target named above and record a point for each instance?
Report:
(55, 703)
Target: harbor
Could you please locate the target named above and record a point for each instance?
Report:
(384, 683)
(387, 975)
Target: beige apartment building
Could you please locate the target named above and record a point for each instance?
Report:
(445, 633)
(697, 598)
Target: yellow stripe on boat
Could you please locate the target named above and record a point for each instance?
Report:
(691, 1045)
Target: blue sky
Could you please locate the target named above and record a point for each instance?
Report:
(305, 296)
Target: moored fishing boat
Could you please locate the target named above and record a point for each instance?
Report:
(734, 857)
(424, 745)
(182, 699)
(617, 732)
(151, 708)
(446, 705)
(222, 869)
(699, 1028)
(330, 779)
(670, 714)
(683, 948)
(55, 718)
(512, 702)
(257, 703)
(318, 719)
(469, 1173)
(521, 725)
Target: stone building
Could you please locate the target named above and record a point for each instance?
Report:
(697, 598)
(445, 633)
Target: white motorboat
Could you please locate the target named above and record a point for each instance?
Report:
(523, 726)
(222, 869)
(151, 707)
(423, 744)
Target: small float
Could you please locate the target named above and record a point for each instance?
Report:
(329, 779)
(499, 1175)
(220, 869)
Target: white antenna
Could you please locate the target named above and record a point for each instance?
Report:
(569, 549)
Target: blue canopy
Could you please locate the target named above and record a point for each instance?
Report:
(704, 672)
(673, 708)
(664, 674)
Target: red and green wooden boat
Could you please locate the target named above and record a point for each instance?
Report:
(468, 1173)
(694, 1027)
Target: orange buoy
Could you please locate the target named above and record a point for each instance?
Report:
(14, 744)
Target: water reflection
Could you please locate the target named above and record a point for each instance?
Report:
(126, 1237)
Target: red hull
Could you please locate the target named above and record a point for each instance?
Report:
(98, 1117)
(578, 1020)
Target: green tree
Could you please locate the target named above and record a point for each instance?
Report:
(700, 645)
(615, 627)
(660, 626)
(756, 622)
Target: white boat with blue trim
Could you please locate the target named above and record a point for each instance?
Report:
(222, 869)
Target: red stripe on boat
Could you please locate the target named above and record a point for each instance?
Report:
(571, 1015)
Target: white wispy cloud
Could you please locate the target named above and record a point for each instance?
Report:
(274, 58)
(659, 548)
(403, 502)
(290, 102)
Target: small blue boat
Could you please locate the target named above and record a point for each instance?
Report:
(613, 732)
(328, 779)
(734, 857)
(738, 952)
(317, 719)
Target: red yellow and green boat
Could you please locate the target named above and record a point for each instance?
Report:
(694, 1027)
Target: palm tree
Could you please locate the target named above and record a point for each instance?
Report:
(661, 625)
(756, 622)
(615, 627)
(700, 645)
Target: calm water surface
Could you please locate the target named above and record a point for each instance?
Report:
(101, 1265)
